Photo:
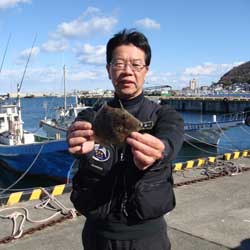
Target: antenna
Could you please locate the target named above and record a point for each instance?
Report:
(19, 86)
(6, 48)
(64, 88)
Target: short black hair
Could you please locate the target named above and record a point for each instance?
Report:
(126, 37)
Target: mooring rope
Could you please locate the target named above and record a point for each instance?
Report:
(25, 173)
(226, 136)
(206, 143)
(17, 229)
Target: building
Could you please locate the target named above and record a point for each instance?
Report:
(193, 84)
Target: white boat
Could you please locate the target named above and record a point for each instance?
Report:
(56, 127)
(18, 149)
(11, 125)
(211, 132)
(21, 153)
(198, 133)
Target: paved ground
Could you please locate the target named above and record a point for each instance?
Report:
(210, 215)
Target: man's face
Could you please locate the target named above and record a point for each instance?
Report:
(127, 71)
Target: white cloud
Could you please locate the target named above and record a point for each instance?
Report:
(5, 4)
(12, 74)
(148, 23)
(89, 54)
(54, 46)
(91, 10)
(25, 54)
(209, 69)
(51, 79)
(206, 69)
(159, 78)
(84, 75)
(205, 74)
(85, 28)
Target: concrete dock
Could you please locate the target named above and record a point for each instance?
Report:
(210, 215)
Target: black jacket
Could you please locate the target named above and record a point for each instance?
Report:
(109, 189)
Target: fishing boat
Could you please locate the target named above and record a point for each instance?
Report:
(21, 153)
(210, 132)
(19, 150)
(198, 132)
(56, 126)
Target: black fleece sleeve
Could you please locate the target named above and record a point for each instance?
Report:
(170, 129)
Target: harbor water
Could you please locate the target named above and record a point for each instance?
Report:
(35, 109)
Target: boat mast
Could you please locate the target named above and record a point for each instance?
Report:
(64, 87)
(19, 87)
(6, 48)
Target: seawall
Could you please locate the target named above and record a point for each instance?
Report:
(208, 104)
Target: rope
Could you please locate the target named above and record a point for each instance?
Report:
(206, 143)
(201, 149)
(243, 129)
(69, 172)
(221, 167)
(227, 137)
(24, 174)
(4, 55)
(17, 229)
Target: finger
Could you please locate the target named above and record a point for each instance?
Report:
(83, 148)
(144, 148)
(75, 150)
(87, 147)
(142, 161)
(81, 133)
(80, 125)
(76, 141)
(148, 139)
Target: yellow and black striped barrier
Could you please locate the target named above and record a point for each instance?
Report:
(212, 159)
(189, 164)
(35, 194)
(199, 163)
(236, 155)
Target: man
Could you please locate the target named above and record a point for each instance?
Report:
(124, 191)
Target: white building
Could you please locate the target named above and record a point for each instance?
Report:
(193, 84)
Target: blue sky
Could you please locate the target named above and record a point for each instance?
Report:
(189, 39)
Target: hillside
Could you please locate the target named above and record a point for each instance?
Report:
(239, 74)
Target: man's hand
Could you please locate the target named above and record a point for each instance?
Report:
(80, 138)
(146, 149)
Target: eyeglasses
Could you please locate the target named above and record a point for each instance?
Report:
(121, 65)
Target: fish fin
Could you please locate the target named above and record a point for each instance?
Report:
(120, 102)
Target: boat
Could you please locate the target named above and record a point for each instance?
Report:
(199, 133)
(50, 159)
(56, 126)
(21, 152)
(210, 133)
(11, 125)
(29, 96)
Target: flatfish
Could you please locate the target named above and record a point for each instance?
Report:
(114, 125)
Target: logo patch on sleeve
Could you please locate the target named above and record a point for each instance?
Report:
(101, 154)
